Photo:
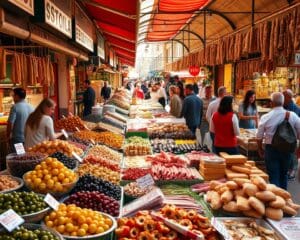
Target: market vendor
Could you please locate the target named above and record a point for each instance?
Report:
(39, 126)
(248, 114)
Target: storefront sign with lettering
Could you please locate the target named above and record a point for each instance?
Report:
(26, 5)
(84, 39)
(57, 18)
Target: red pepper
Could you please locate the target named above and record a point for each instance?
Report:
(140, 220)
(156, 235)
(172, 235)
(145, 236)
(122, 221)
(162, 228)
(123, 231)
(149, 225)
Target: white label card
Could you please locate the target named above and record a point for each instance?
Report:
(11, 220)
(75, 155)
(51, 201)
(63, 131)
(93, 142)
(86, 127)
(77, 129)
(145, 181)
(19, 148)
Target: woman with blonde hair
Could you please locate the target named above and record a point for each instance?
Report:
(39, 126)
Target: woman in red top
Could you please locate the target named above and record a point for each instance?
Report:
(225, 125)
(138, 92)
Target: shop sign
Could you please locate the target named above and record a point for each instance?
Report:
(297, 58)
(111, 58)
(84, 39)
(57, 18)
(26, 5)
(101, 52)
(194, 70)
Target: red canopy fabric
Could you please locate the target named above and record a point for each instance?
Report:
(117, 22)
(165, 26)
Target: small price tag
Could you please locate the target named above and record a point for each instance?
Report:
(11, 220)
(77, 129)
(75, 155)
(51, 201)
(219, 226)
(63, 131)
(19, 148)
(93, 142)
(71, 114)
(86, 127)
(63, 116)
(145, 181)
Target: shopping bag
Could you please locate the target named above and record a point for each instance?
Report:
(207, 141)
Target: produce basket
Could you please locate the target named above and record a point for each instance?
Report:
(37, 216)
(19, 180)
(67, 188)
(31, 226)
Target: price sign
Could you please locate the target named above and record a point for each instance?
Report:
(11, 220)
(51, 201)
(221, 228)
(19, 148)
(145, 181)
(93, 142)
(75, 155)
(77, 129)
(86, 127)
(63, 131)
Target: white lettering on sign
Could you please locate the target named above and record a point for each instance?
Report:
(297, 58)
(57, 18)
(10, 220)
(19, 148)
(26, 5)
(145, 181)
(84, 39)
(51, 201)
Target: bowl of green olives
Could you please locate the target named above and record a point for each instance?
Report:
(29, 205)
(31, 231)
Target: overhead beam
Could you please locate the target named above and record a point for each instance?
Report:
(100, 6)
(117, 36)
(221, 14)
(195, 34)
(118, 46)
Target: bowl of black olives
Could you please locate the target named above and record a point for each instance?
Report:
(29, 205)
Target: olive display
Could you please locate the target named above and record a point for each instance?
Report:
(23, 233)
(22, 203)
(67, 161)
(90, 183)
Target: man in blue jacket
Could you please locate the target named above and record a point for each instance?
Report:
(192, 109)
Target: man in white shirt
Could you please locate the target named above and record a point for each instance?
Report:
(277, 162)
(212, 108)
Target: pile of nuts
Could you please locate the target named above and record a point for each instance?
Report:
(105, 153)
(70, 124)
(100, 172)
(108, 138)
(132, 189)
(7, 182)
(50, 147)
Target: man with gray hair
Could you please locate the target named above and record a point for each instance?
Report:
(277, 162)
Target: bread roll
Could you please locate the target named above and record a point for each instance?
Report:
(213, 184)
(232, 185)
(241, 169)
(279, 191)
(256, 204)
(252, 213)
(265, 196)
(242, 203)
(293, 205)
(259, 182)
(231, 207)
(274, 213)
(279, 202)
(290, 211)
(226, 196)
(241, 181)
(250, 189)
(214, 198)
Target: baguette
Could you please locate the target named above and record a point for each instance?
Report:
(259, 182)
(279, 202)
(241, 169)
(256, 204)
(265, 196)
(250, 189)
(289, 210)
(242, 203)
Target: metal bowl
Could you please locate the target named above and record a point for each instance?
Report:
(37, 216)
(19, 180)
(67, 186)
(31, 226)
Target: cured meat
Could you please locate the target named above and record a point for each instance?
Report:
(2, 63)
(297, 31)
(281, 36)
(16, 69)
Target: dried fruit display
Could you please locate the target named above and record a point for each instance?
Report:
(103, 152)
(135, 146)
(50, 147)
(7, 182)
(70, 124)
